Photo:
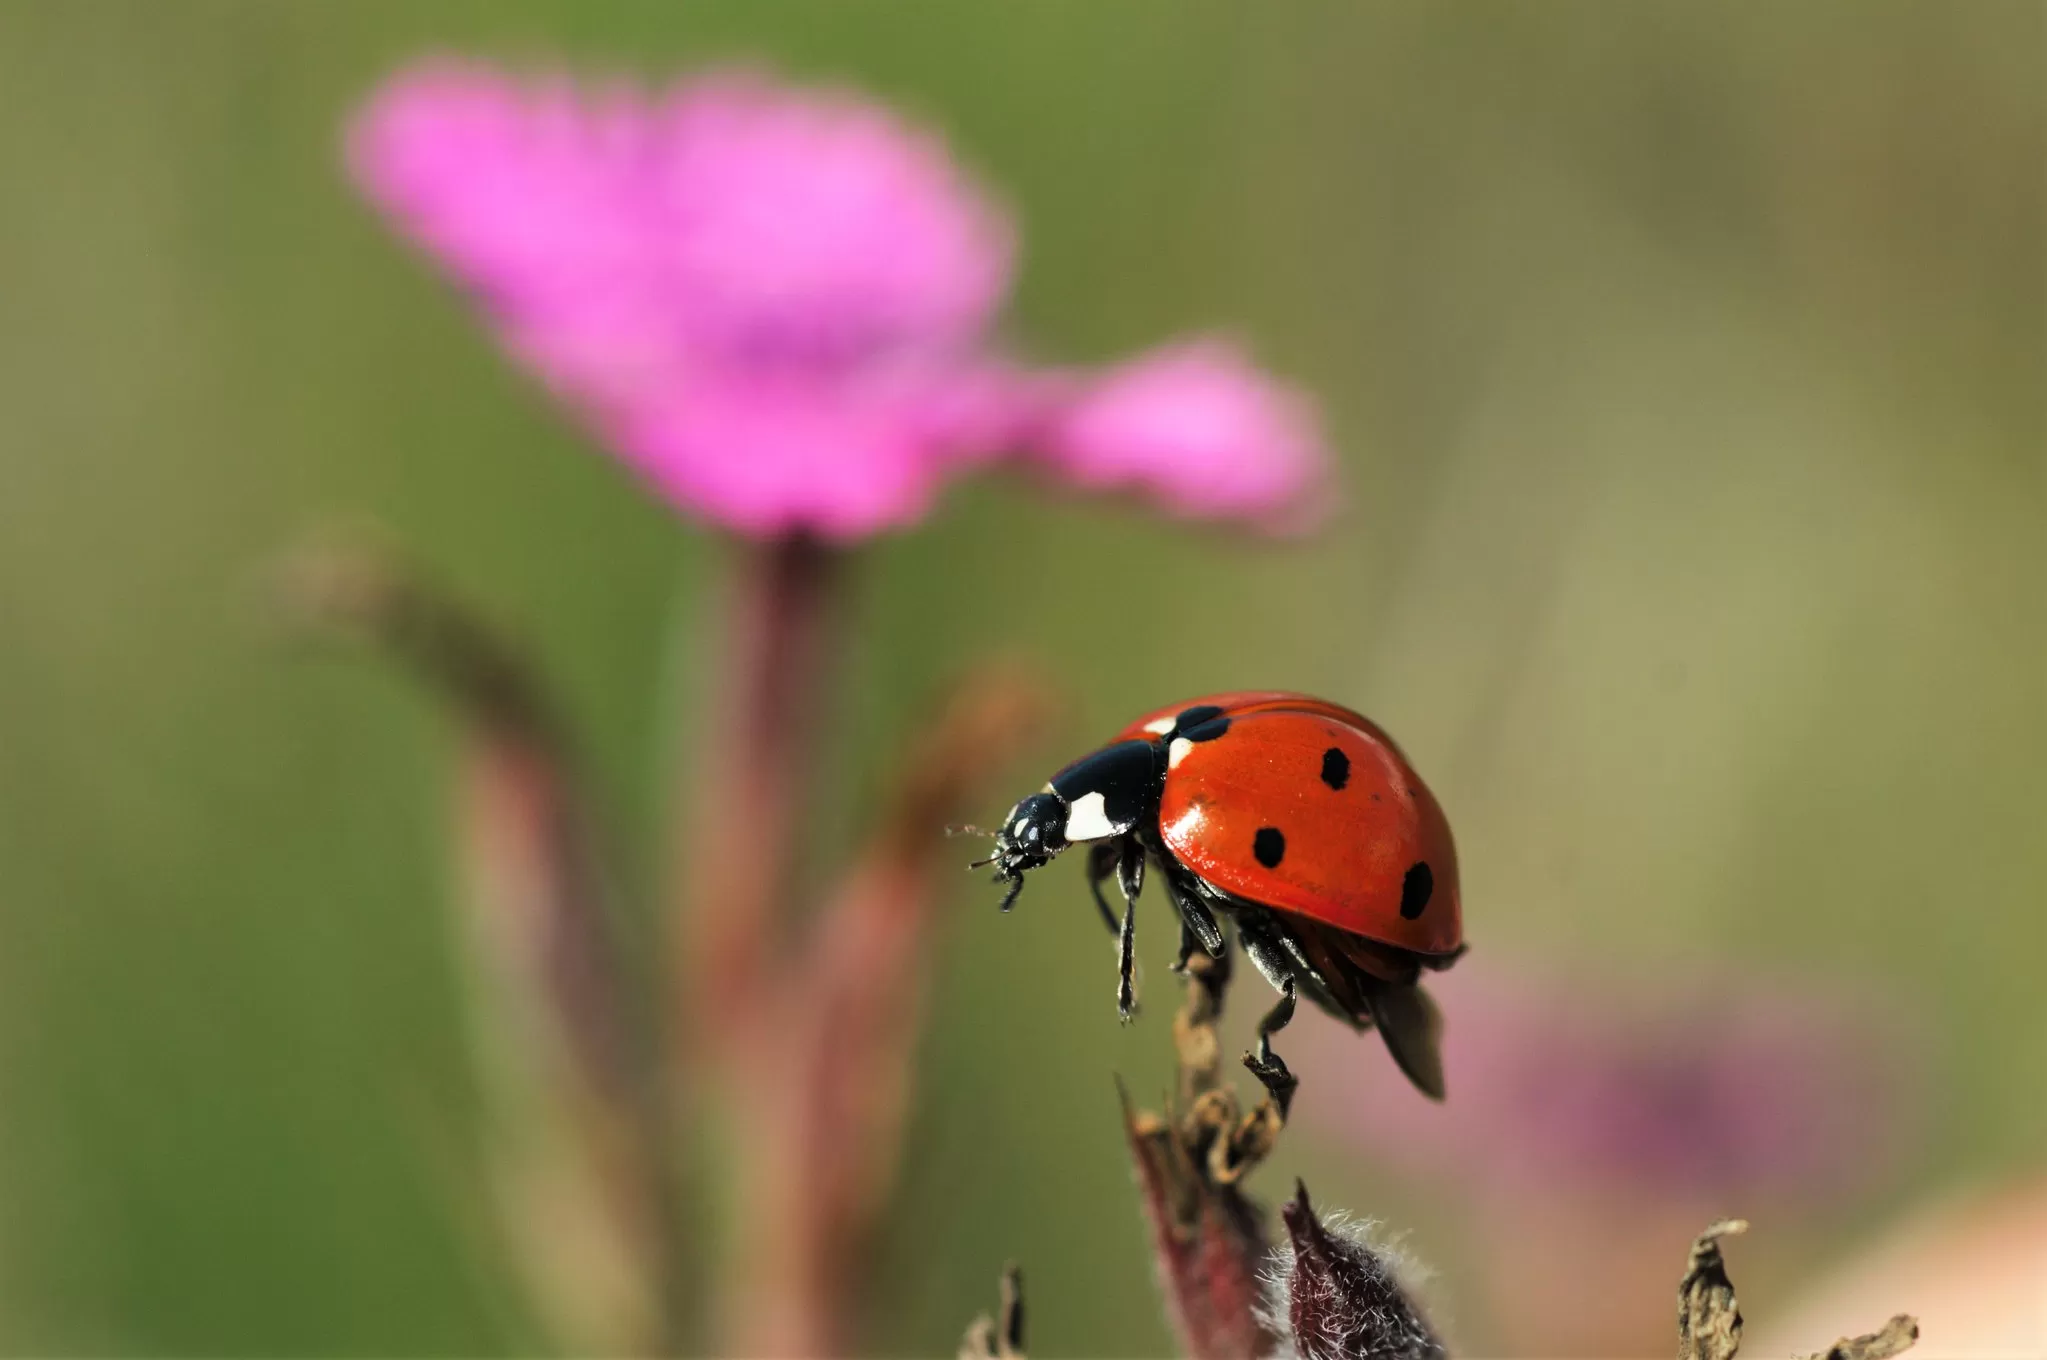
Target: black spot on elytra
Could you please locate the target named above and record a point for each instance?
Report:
(1269, 845)
(1415, 889)
(1335, 768)
(1203, 722)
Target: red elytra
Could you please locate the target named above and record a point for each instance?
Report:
(1294, 822)
(1354, 830)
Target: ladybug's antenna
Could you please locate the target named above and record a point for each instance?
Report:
(962, 829)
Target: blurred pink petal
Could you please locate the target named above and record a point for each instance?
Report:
(1731, 1089)
(1199, 429)
(821, 224)
(767, 299)
(776, 304)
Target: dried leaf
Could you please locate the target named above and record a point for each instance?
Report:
(1895, 1338)
(1708, 1318)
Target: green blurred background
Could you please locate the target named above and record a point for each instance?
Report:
(1686, 362)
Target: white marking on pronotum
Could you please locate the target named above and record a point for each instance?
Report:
(1177, 752)
(1160, 725)
(1088, 819)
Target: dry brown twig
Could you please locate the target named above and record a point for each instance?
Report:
(1208, 1239)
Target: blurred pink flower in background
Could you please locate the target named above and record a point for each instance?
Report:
(1178, 424)
(779, 308)
(777, 305)
(1595, 1114)
(1728, 1088)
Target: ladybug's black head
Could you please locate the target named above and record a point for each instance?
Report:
(1034, 831)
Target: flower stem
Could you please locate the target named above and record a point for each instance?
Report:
(734, 868)
(582, 1143)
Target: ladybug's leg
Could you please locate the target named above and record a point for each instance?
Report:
(1126, 964)
(1122, 857)
(1264, 1064)
(1218, 970)
(1130, 878)
(1194, 914)
(1102, 859)
(1273, 960)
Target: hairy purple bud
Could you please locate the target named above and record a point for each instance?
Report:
(1340, 1298)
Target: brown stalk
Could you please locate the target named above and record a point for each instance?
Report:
(561, 1038)
(824, 1114)
(733, 871)
(1208, 1238)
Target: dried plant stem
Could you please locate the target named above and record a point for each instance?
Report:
(1207, 1237)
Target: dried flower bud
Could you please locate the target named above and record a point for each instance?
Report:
(1000, 1335)
(1341, 1298)
(1708, 1317)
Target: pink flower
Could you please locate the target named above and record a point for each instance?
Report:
(1200, 430)
(1594, 1111)
(777, 305)
(1729, 1089)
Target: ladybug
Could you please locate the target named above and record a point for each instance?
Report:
(1296, 821)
